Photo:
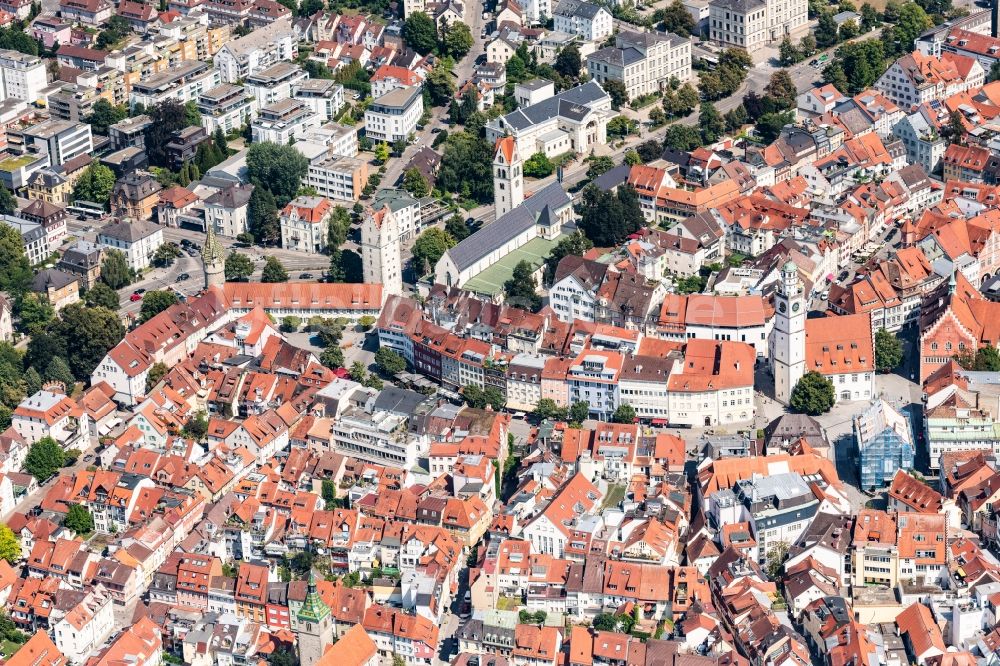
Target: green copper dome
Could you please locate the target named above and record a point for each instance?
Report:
(313, 608)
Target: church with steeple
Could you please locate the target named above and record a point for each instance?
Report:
(315, 626)
(788, 353)
(213, 257)
(841, 348)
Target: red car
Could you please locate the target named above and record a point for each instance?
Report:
(135, 297)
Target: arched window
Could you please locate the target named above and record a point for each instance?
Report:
(934, 346)
(947, 346)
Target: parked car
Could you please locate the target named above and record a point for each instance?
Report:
(182, 277)
(306, 276)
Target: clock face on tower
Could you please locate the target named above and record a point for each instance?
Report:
(795, 307)
(781, 306)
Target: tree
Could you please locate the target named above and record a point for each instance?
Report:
(457, 40)
(807, 45)
(165, 255)
(382, 153)
(826, 30)
(262, 216)
(888, 351)
(912, 21)
(788, 54)
(428, 248)
(34, 313)
(863, 62)
(273, 271)
(389, 362)
(769, 125)
(104, 114)
(736, 118)
(154, 302)
(538, 166)
(167, 118)
(10, 550)
(332, 357)
(89, 333)
(32, 381)
(681, 137)
(101, 295)
(776, 556)
(494, 398)
(456, 227)
(519, 290)
(599, 165)
(632, 157)
(95, 184)
(197, 427)
(15, 38)
(712, 123)
(617, 91)
(870, 18)
(813, 394)
(467, 167)
(573, 244)
(415, 183)
(848, 30)
(955, 130)
(782, 89)
(15, 271)
(115, 29)
(649, 150)
(420, 32)
(155, 374)
(607, 218)
(279, 169)
(685, 100)
(478, 398)
(624, 414)
(677, 19)
(79, 520)
(657, 117)
(440, 83)
(115, 271)
(44, 459)
(238, 267)
(619, 127)
(579, 412)
(994, 73)
(834, 75)
(568, 62)
(548, 409)
(58, 370)
(986, 359)
(221, 144)
(623, 624)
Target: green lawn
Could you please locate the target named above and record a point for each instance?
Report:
(616, 493)
(507, 603)
(490, 281)
(8, 648)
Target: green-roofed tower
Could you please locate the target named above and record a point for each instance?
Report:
(213, 257)
(315, 625)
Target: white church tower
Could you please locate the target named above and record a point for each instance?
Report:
(788, 352)
(508, 180)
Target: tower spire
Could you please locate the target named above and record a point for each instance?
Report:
(213, 257)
